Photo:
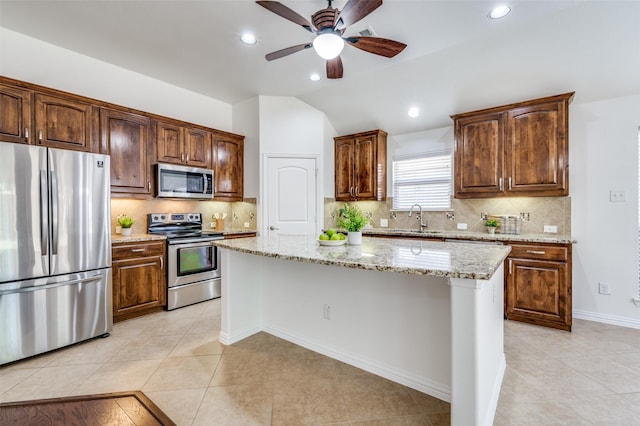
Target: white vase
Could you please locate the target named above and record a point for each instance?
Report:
(491, 230)
(126, 232)
(354, 238)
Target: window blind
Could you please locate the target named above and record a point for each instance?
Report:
(423, 179)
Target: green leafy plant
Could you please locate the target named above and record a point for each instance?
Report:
(125, 221)
(491, 223)
(351, 218)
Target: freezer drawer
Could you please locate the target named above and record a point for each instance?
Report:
(37, 316)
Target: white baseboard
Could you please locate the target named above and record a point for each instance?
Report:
(607, 319)
(227, 339)
(434, 389)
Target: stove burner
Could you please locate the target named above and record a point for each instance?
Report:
(176, 226)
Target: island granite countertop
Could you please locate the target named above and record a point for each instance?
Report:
(410, 256)
(474, 236)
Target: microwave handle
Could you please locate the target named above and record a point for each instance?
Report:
(206, 183)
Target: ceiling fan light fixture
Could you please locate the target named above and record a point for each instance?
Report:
(248, 38)
(328, 45)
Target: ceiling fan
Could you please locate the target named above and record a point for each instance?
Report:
(329, 25)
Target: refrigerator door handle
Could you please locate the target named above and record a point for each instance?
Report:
(53, 285)
(44, 214)
(54, 212)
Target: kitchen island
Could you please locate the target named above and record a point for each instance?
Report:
(428, 315)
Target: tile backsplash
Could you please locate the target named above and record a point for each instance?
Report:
(238, 213)
(555, 211)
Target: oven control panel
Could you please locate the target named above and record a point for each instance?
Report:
(175, 218)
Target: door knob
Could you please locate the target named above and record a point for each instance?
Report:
(273, 228)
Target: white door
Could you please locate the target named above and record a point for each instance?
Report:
(291, 195)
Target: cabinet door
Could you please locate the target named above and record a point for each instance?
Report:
(125, 136)
(537, 150)
(538, 293)
(364, 153)
(197, 146)
(170, 143)
(479, 156)
(228, 167)
(15, 114)
(63, 123)
(137, 285)
(344, 169)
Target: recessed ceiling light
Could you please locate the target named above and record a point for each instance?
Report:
(499, 12)
(413, 112)
(314, 77)
(248, 38)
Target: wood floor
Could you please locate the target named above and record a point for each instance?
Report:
(114, 409)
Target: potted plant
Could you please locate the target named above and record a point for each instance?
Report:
(353, 220)
(491, 225)
(125, 222)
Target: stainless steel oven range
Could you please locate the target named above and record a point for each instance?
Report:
(193, 263)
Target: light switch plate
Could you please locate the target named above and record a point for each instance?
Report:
(551, 229)
(462, 226)
(384, 223)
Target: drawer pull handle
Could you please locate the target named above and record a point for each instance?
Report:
(536, 252)
(161, 263)
(140, 250)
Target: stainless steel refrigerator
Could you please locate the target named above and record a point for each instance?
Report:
(55, 249)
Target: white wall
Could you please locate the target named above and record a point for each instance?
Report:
(604, 156)
(246, 121)
(34, 61)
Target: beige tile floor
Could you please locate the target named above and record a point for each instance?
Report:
(588, 377)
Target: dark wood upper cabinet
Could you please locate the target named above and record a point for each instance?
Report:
(360, 166)
(15, 114)
(513, 150)
(125, 137)
(183, 145)
(65, 123)
(228, 166)
(56, 119)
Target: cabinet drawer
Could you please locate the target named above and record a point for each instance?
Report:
(133, 250)
(522, 251)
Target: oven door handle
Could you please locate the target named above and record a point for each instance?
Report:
(191, 244)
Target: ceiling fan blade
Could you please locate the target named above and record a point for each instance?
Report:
(377, 45)
(282, 10)
(334, 68)
(355, 10)
(287, 51)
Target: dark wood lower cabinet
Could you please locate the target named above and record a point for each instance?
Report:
(538, 285)
(139, 283)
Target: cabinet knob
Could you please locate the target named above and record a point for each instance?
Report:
(182, 157)
(40, 137)
(500, 184)
(26, 134)
(161, 262)
(187, 157)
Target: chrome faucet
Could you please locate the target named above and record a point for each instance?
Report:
(421, 225)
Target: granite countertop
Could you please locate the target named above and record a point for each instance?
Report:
(476, 236)
(136, 238)
(238, 231)
(453, 260)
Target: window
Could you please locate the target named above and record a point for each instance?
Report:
(423, 179)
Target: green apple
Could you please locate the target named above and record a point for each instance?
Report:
(323, 237)
(330, 232)
(335, 236)
(341, 235)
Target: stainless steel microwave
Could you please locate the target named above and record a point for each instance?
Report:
(174, 181)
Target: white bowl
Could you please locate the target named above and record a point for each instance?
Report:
(332, 242)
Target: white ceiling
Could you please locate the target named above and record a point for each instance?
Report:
(456, 60)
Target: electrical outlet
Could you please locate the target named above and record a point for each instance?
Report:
(326, 311)
(603, 288)
(384, 223)
(246, 224)
(212, 225)
(617, 195)
(118, 229)
(461, 226)
(551, 229)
